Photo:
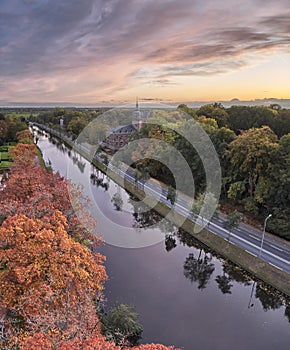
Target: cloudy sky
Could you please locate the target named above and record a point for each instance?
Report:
(89, 51)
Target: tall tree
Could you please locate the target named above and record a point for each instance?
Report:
(251, 156)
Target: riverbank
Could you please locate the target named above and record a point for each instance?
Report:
(260, 269)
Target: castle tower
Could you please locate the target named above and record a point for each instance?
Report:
(137, 121)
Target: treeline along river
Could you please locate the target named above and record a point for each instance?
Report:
(185, 294)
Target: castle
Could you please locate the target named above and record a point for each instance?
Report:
(117, 138)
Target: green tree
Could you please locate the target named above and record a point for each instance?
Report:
(216, 112)
(121, 325)
(3, 132)
(171, 195)
(75, 126)
(232, 221)
(251, 156)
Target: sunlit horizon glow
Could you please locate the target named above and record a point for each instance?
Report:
(98, 51)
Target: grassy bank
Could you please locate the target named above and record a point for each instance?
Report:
(40, 158)
(5, 159)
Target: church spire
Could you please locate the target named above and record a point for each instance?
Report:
(137, 103)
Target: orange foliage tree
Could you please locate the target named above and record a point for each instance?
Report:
(36, 192)
(39, 342)
(49, 282)
(24, 136)
(23, 155)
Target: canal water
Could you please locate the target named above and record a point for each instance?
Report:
(185, 295)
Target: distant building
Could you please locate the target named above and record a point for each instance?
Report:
(117, 138)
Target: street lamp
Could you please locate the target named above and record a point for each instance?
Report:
(263, 235)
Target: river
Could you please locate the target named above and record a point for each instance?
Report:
(185, 295)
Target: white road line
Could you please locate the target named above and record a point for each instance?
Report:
(250, 253)
(273, 246)
(277, 267)
(253, 245)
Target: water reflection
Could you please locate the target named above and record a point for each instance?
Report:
(224, 283)
(287, 312)
(98, 179)
(198, 269)
(117, 201)
(268, 299)
(170, 242)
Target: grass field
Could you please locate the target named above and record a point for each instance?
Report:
(5, 159)
(5, 164)
(5, 156)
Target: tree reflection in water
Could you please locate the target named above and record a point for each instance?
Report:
(224, 283)
(170, 242)
(287, 312)
(198, 270)
(268, 299)
(98, 179)
(117, 201)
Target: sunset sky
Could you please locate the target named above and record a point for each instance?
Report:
(93, 51)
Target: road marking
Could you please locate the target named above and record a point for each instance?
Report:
(273, 246)
(251, 235)
(277, 267)
(250, 253)
(253, 245)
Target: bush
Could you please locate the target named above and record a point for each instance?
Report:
(121, 325)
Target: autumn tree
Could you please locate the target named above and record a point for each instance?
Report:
(49, 281)
(36, 192)
(24, 136)
(23, 155)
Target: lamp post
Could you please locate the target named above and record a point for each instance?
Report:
(263, 235)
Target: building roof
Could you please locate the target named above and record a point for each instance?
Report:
(122, 129)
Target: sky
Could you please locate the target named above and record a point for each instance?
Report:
(109, 51)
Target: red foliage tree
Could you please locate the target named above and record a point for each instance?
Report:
(23, 155)
(49, 281)
(39, 342)
(36, 192)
